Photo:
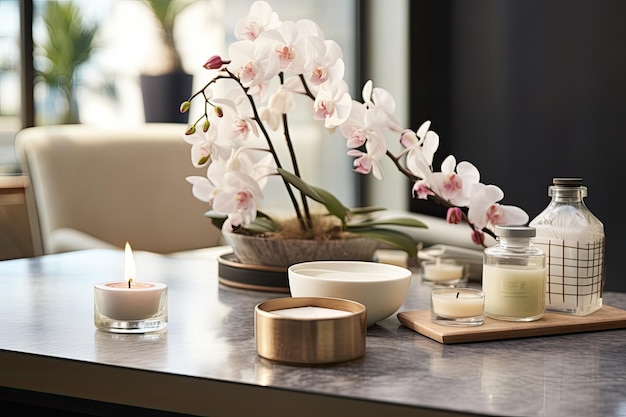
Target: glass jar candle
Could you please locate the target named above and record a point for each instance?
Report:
(514, 276)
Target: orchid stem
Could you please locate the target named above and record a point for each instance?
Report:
(294, 162)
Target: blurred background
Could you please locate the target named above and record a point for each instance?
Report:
(525, 90)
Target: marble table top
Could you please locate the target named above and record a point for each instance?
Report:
(205, 363)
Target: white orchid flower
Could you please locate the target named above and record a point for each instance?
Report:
(381, 99)
(454, 181)
(206, 146)
(484, 210)
(363, 124)
(238, 197)
(355, 128)
(324, 61)
(333, 104)
(420, 148)
(238, 118)
(259, 19)
(281, 102)
(202, 189)
(288, 45)
(253, 62)
(257, 168)
(376, 149)
(231, 192)
(365, 163)
(364, 127)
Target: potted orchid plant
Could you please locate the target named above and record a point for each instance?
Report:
(273, 61)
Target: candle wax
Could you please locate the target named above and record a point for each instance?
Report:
(466, 304)
(311, 312)
(441, 271)
(514, 292)
(117, 301)
(392, 257)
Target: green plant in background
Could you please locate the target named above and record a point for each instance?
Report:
(166, 12)
(69, 45)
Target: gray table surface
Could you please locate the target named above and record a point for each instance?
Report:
(205, 363)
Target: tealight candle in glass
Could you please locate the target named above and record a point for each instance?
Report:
(129, 306)
(443, 271)
(136, 308)
(457, 306)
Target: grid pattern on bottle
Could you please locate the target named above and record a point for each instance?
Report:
(575, 271)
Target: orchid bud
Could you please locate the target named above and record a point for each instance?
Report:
(190, 130)
(206, 125)
(478, 237)
(218, 111)
(214, 62)
(454, 215)
(203, 160)
(184, 106)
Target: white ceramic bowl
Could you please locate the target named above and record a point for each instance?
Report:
(382, 288)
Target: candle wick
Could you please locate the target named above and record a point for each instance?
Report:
(457, 294)
(129, 281)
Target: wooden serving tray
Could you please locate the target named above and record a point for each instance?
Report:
(607, 318)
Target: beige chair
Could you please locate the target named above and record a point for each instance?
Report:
(102, 187)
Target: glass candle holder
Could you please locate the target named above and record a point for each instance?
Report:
(139, 307)
(445, 272)
(457, 306)
(514, 276)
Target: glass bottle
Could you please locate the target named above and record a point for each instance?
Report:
(573, 240)
(514, 276)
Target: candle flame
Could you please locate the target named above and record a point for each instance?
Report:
(129, 265)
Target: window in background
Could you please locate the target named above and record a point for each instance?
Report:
(106, 88)
(9, 82)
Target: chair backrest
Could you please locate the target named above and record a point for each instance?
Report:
(115, 184)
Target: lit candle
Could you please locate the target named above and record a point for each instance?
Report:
(457, 302)
(442, 271)
(311, 312)
(130, 300)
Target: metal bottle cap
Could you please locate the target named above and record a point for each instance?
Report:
(515, 231)
(568, 182)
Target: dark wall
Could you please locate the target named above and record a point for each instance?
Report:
(527, 91)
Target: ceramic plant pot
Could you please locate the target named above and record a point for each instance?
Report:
(268, 251)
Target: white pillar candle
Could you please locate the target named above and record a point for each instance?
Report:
(457, 302)
(311, 312)
(441, 271)
(512, 292)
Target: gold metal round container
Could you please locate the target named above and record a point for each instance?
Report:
(310, 340)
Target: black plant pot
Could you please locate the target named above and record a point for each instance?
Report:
(162, 95)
